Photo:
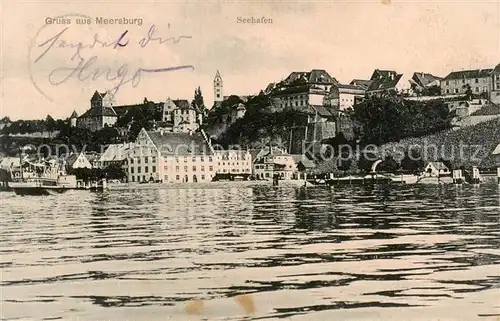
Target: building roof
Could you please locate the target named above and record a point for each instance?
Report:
(71, 159)
(424, 79)
(474, 73)
(298, 158)
(97, 112)
(176, 144)
(115, 153)
(384, 80)
(361, 82)
(182, 103)
(321, 110)
(74, 114)
(497, 68)
(497, 150)
(315, 76)
(438, 165)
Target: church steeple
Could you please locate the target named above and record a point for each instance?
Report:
(218, 93)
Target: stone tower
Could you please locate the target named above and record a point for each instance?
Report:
(218, 94)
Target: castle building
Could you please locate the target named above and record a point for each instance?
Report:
(100, 114)
(218, 86)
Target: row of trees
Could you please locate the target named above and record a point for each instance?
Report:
(48, 124)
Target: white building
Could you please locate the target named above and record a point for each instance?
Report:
(234, 162)
(100, 114)
(115, 154)
(344, 96)
(180, 116)
(496, 155)
(170, 157)
(436, 169)
(77, 160)
(274, 161)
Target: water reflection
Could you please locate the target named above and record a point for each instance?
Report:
(298, 251)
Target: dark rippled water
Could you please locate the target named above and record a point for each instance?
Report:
(186, 253)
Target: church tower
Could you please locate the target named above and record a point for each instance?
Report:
(218, 95)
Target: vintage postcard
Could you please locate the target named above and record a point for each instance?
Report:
(250, 160)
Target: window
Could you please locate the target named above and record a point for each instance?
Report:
(447, 91)
(185, 159)
(211, 168)
(146, 169)
(193, 159)
(138, 160)
(154, 169)
(165, 167)
(165, 178)
(138, 178)
(177, 177)
(138, 170)
(176, 168)
(477, 89)
(185, 168)
(146, 160)
(153, 159)
(202, 168)
(131, 161)
(203, 177)
(447, 82)
(133, 178)
(143, 178)
(476, 80)
(176, 159)
(202, 159)
(132, 170)
(194, 168)
(456, 90)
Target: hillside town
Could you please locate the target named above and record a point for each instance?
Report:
(176, 140)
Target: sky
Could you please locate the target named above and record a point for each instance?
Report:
(348, 39)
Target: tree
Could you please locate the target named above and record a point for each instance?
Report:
(50, 124)
(468, 92)
(198, 104)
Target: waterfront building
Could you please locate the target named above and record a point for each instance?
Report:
(274, 161)
(436, 169)
(100, 114)
(115, 154)
(234, 163)
(77, 160)
(479, 81)
(164, 156)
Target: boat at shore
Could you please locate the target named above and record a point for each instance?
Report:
(41, 178)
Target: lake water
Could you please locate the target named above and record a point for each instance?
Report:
(237, 251)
